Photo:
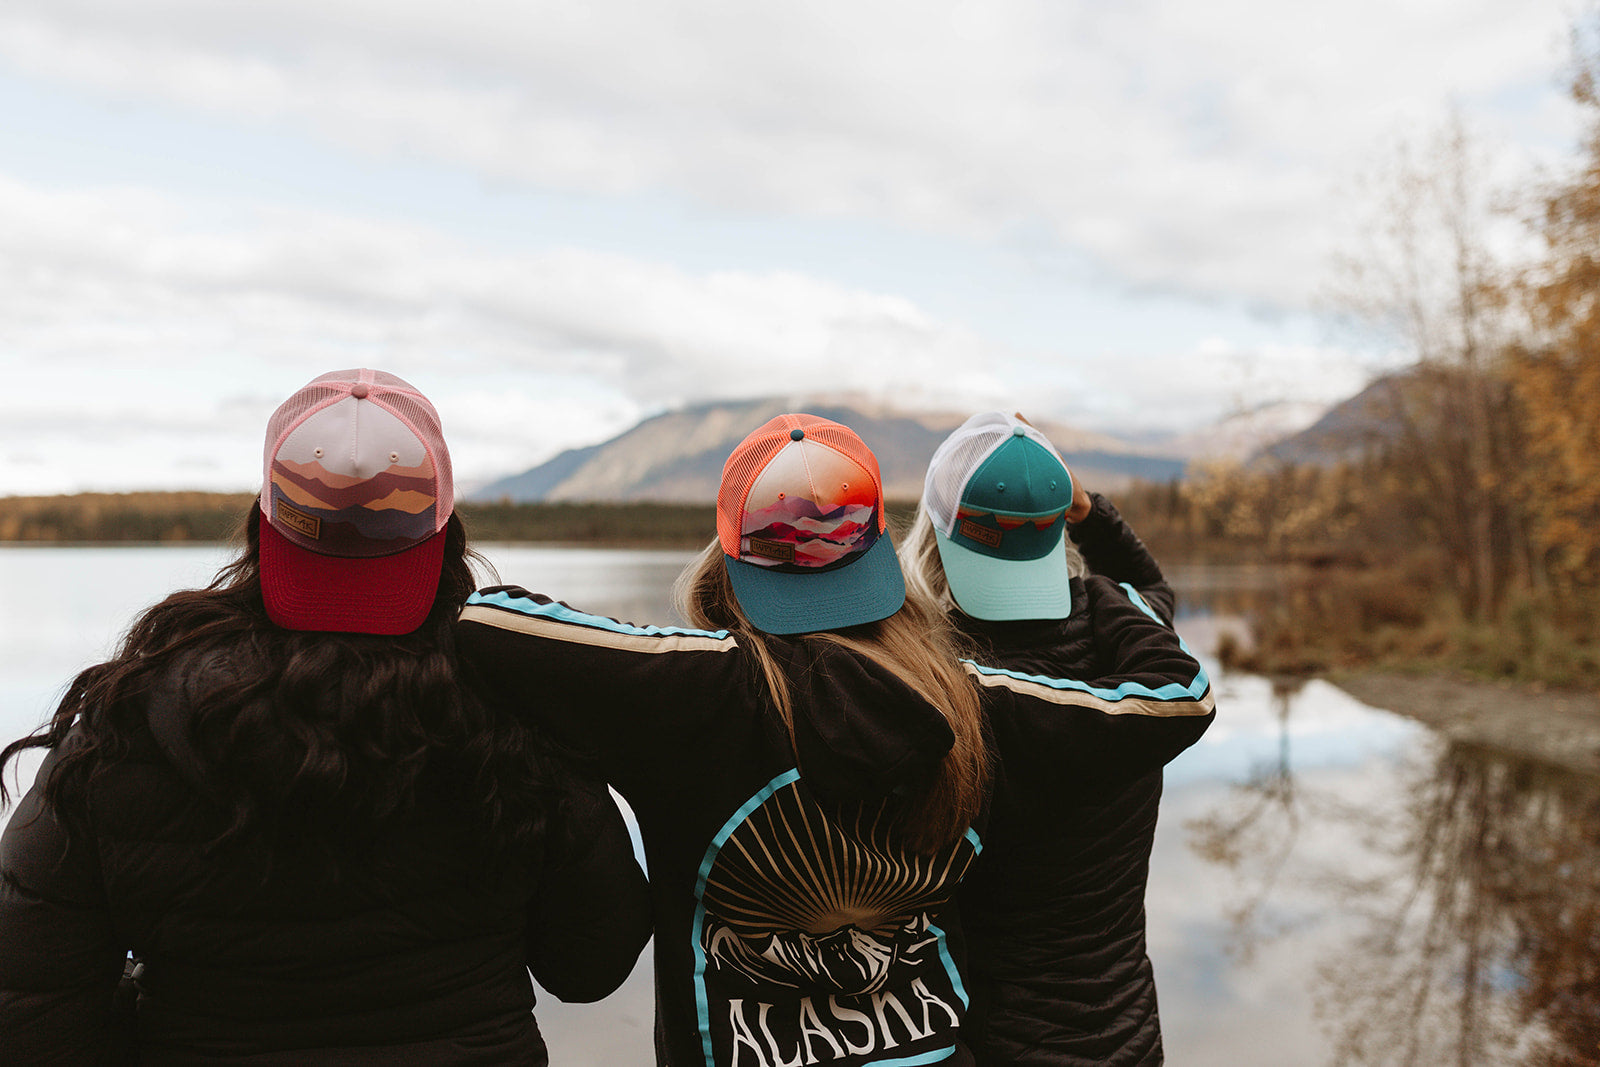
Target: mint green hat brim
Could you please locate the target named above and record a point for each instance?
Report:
(1006, 589)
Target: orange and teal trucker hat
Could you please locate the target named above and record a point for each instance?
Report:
(801, 520)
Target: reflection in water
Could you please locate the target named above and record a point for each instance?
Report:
(1256, 837)
(1479, 945)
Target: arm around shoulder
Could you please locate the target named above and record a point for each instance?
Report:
(1112, 549)
(1149, 701)
(611, 690)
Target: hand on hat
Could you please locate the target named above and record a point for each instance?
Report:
(1081, 502)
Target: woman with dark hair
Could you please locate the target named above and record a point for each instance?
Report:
(808, 763)
(286, 798)
(1014, 549)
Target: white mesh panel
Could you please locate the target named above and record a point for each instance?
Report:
(960, 455)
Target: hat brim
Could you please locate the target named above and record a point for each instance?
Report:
(1002, 590)
(799, 602)
(380, 595)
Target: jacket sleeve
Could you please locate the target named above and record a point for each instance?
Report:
(591, 917)
(1113, 550)
(1153, 702)
(60, 961)
(616, 693)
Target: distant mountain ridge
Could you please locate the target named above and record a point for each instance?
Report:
(1346, 431)
(677, 456)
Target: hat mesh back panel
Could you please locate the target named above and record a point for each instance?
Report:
(738, 475)
(842, 440)
(286, 418)
(753, 453)
(421, 418)
(949, 473)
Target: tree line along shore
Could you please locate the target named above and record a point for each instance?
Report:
(170, 517)
(1354, 579)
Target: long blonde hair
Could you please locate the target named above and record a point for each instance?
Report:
(916, 644)
(924, 570)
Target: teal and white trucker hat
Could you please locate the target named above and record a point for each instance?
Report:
(998, 495)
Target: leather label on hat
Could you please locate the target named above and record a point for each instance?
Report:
(981, 534)
(298, 521)
(782, 551)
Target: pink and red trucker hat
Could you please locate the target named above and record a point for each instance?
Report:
(801, 520)
(355, 495)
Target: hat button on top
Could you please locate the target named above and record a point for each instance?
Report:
(1018, 431)
(796, 434)
(359, 390)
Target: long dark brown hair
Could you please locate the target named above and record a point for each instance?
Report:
(318, 736)
(917, 644)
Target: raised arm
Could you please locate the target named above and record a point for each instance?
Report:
(1113, 550)
(1152, 701)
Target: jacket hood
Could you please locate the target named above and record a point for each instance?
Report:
(860, 732)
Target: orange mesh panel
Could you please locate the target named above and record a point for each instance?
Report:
(844, 440)
(739, 473)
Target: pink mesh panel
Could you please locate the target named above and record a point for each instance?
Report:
(291, 414)
(417, 413)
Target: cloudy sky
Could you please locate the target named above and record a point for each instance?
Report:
(556, 218)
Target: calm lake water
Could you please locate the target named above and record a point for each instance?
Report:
(1331, 884)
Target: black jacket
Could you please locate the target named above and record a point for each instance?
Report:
(1055, 906)
(791, 926)
(412, 954)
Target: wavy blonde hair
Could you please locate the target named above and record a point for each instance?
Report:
(924, 570)
(916, 644)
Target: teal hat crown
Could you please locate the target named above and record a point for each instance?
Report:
(998, 493)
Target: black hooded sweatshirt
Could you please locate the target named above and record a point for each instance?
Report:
(793, 926)
(414, 951)
(1055, 909)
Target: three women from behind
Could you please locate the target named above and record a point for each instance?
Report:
(287, 798)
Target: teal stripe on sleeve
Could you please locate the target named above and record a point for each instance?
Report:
(562, 613)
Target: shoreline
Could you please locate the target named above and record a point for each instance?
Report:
(1559, 727)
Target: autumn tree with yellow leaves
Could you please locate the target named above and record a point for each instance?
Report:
(1556, 370)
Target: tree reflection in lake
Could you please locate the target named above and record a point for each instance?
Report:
(1257, 836)
(1478, 946)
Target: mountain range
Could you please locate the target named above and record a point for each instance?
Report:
(678, 455)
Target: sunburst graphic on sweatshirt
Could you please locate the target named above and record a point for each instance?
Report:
(804, 897)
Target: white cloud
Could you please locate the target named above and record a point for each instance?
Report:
(145, 345)
(1184, 147)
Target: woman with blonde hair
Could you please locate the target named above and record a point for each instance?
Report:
(807, 764)
(1014, 548)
